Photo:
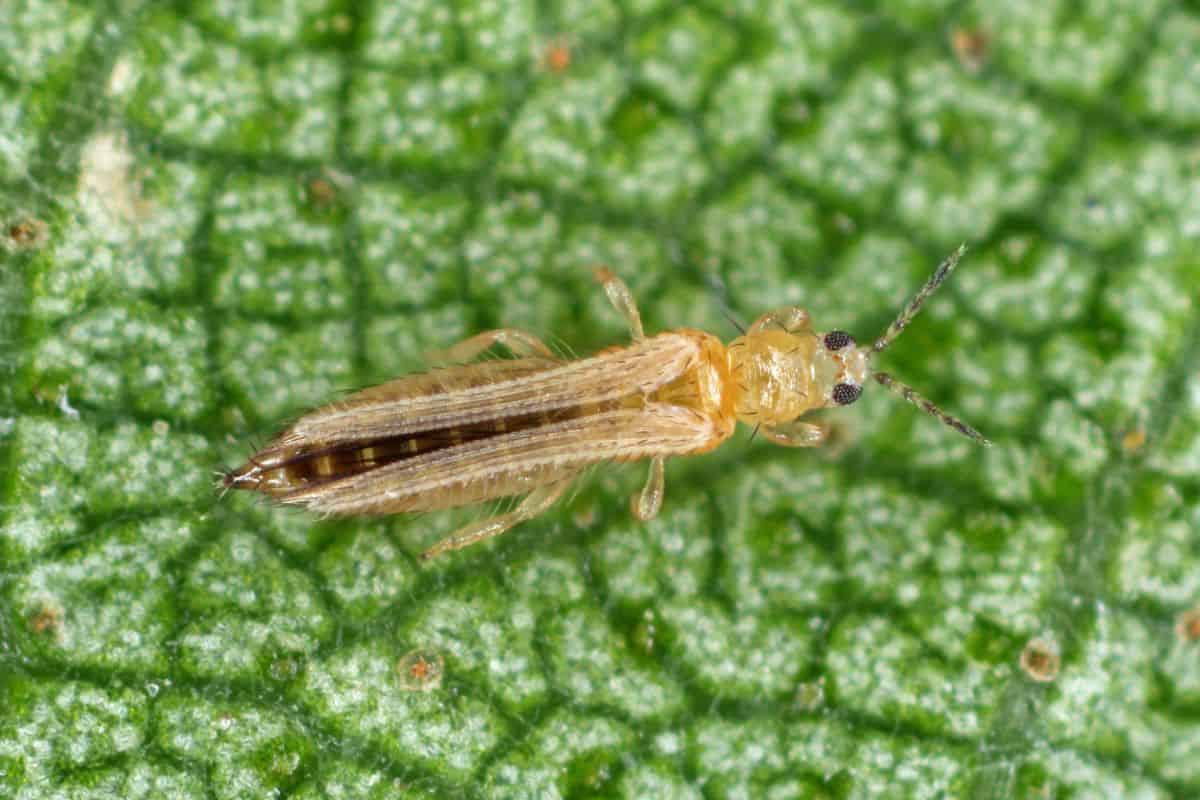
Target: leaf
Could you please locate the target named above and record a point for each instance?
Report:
(218, 215)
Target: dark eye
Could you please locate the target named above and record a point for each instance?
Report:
(846, 393)
(836, 340)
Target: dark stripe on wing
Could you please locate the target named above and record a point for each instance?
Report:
(313, 467)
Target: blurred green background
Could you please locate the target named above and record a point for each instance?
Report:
(219, 214)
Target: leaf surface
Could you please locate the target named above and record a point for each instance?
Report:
(218, 215)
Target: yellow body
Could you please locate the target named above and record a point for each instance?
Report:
(473, 432)
(527, 422)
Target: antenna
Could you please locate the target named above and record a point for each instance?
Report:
(910, 394)
(897, 327)
(906, 316)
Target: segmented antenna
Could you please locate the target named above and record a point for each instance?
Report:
(896, 328)
(910, 394)
(906, 316)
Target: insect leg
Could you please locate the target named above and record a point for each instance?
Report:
(534, 503)
(792, 320)
(646, 504)
(622, 300)
(521, 343)
(796, 434)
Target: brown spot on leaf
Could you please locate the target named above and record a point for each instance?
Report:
(25, 233)
(1187, 625)
(556, 57)
(47, 621)
(1134, 440)
(971, 47)
(1040, 660)
(421, 671)
(321, 192)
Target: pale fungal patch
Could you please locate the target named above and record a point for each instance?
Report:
(810, 695)
(108, 188)
(285, 668)
(123, 78)
(326, 187)
(64, 404)
(1040, 660)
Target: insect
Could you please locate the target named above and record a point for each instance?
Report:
(471, 431)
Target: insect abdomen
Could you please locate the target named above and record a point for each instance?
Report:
(288, 469)
(459, 436)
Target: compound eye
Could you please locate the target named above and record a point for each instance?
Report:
(846, 393)
(836, 340)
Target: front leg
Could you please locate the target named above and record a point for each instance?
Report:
(622, 300)
(791, 320)
(796, 434)
(521, 343)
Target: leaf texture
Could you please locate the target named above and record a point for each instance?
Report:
(217, 215)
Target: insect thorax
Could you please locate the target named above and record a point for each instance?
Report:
(773, 376)
(706, 387)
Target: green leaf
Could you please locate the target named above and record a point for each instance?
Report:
(216, 215)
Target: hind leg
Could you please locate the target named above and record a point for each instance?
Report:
(520, 342)
(534, 504)
(622, 300)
